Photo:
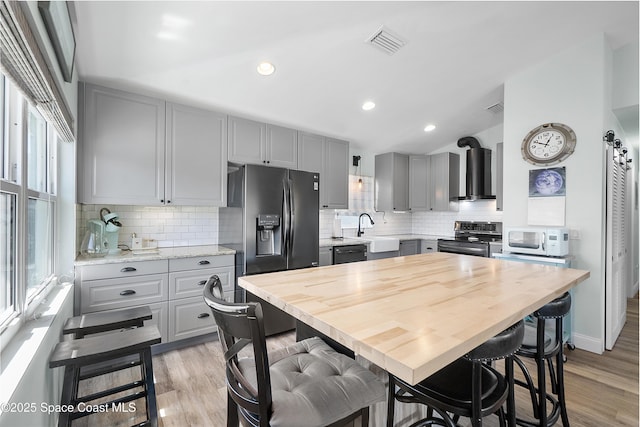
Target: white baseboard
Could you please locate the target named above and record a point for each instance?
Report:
(587, 343)
(633, 291)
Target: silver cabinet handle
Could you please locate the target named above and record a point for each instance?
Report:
(204, 262)
(128, 269)
(203, 315)
(127, 292)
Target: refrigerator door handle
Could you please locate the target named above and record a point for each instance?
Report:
(292, 216)
(286, 213)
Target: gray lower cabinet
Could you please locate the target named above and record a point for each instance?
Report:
(409, 247)
(325, 256)
(427, 246)
(330, 158)
(171, 288)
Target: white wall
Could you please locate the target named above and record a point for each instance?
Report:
(571, 88)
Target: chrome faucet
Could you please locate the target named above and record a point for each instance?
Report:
(361, 232)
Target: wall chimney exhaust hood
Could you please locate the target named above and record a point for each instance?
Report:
(478, 170)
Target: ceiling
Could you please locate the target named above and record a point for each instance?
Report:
(453, 66)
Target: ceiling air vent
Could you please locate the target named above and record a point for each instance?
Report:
(386, 40)
(496, 108)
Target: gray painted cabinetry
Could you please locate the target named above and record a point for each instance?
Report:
(330, 158)
(419, 183)
(445, 181)
(171, 288)
(262, 143)
(326, 256)
(409, 247)
(392, 182)
(138, 150)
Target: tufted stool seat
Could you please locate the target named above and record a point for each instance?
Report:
(305, 384)
(542, 346)
(468, 387)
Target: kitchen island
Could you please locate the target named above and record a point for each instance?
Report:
(413, 315)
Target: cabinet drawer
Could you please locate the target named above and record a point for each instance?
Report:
(107, 294)
(124, 269)
(189, 317)
(194, 263)
(185, 284)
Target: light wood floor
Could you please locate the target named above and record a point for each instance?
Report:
(602, 390)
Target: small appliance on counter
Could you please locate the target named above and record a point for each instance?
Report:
(551, 242)
(111, 229)
(94, 243)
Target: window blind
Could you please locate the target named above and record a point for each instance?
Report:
(22, 59)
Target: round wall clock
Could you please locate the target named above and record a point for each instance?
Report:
(548, 144)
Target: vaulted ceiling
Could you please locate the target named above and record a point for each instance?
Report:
(453, 66)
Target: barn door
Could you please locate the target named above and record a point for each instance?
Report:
(616, 253)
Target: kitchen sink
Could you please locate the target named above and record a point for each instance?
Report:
(380, 244)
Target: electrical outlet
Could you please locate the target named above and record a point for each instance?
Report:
(574, 234)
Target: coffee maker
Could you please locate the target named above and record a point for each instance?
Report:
(112, 227)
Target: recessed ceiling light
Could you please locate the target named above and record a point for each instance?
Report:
(369, 105)
(266, 68)
(429, 128)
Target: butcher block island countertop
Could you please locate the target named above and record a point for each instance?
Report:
(414, 315)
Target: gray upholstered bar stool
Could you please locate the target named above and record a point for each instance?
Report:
(544, 348)
(468, 387)
(306, 384)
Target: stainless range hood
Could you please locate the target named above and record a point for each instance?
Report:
(478, 170)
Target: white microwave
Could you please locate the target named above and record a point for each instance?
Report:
(536, 241)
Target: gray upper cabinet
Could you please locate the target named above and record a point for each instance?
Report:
(247, 141)
(330, 158)
(419, 196)
(282, 147)
(391, 182)
(196, 141)
(123, 148)
(138, 150)
(260, 143)
(445, 181)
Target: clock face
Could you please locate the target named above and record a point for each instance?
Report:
(548, 144)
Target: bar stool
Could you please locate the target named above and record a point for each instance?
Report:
(468, 387)
(87, 357)
(305, 384)
(542, 347)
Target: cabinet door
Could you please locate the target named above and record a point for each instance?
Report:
(408, 247)
(196, 171)
(123, 148)
(326, 256)
(400, 182)
(190, 317)
(247, 141)
(445, 177)
(428, 246)
(311, 149)
(419, 183)
(336, 174)
(282, 147)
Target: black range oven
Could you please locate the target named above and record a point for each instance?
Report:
(472, 238)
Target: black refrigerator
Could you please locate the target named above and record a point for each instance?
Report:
(279, 211)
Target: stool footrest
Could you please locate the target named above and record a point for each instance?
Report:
(109, 392)
(89, 372)
(92, 323)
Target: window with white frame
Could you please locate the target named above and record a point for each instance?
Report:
(27, 204)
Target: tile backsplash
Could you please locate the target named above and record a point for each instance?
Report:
(201, 225)
(168, 225)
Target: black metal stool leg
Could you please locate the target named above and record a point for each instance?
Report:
(147, 374)
(391, 401)
(540, 364)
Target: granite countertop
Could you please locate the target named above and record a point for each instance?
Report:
(160, 253)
